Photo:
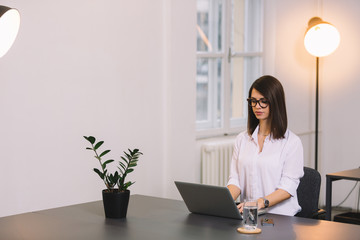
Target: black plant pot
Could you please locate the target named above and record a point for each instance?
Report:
(115, 203)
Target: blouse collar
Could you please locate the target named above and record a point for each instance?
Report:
(254, 136)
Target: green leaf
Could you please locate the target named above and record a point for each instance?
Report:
(132, 165)
(104, 152)
(107, 162)
(129, 170)
(109, 182)
(101, 175)
(122, 165)
(125, 160)
(113, 178)
(91, 139)
(120, 179)
(126, 185)
(98, 145)
(127, 155)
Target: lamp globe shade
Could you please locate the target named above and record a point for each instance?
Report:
(321, 38)
(9, 27)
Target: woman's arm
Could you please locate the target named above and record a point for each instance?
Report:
(234, 184)
(274, 198)
(234, 191)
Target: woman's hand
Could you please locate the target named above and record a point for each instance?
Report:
(240, 206)
(260, 203)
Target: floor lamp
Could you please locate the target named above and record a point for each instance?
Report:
(9, 27)
(321, 39)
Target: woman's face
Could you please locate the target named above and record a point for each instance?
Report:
(261, 109)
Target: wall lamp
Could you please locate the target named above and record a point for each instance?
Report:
(321, 39)
(9, 27)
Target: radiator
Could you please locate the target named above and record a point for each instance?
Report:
(216, 161)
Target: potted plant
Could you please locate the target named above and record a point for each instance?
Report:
(116, 195)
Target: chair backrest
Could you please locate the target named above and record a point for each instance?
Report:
(308, 192)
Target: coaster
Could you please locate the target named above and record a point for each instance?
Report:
(247, 231)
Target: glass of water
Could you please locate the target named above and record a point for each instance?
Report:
(250, 214)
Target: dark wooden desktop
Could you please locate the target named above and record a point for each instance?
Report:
(353, 174)
(157, 218)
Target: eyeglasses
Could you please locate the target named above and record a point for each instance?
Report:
(263, 103)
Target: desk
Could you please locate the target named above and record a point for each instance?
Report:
(353, 174)
(151, 218)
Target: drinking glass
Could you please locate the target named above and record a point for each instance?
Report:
(250, 214)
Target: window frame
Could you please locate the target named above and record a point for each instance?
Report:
(226, 55)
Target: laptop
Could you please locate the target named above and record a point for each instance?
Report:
(208, 200)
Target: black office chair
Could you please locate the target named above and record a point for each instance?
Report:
(308, 195)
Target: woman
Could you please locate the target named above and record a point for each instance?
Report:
(267, 162)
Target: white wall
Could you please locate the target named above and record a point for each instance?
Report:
(180, 69)
(118, 70)
(340, 92)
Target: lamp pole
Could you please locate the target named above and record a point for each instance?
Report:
(318, 33)
(317, 113)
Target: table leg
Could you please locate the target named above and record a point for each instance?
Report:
(328, 197)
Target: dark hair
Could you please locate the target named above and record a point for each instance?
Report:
(273, 91)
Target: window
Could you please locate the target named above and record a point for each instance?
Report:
(229, 59)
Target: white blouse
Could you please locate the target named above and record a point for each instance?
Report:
(278, 166)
